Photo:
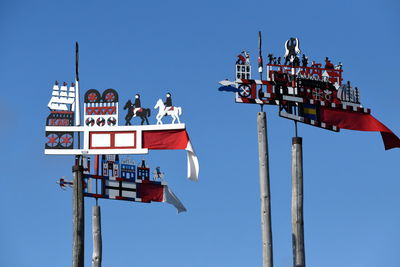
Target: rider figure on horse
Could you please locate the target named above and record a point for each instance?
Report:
(137, 105)
(168, 102)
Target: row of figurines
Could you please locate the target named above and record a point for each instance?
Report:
(166, 108)
(111, 166)
(292, 50)
(135, 109)
(114, 169)
(96, 102)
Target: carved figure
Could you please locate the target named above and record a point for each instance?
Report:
(137, 106)
(243, 58)
(168, 102)
(328, 64)
(143, 113)
(162, 111)
(296, 61)
(292, 49)
(339, 66)
(271, 58)
(158, 174)
(304, 60)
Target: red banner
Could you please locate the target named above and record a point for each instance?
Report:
(360, 122)
(170, 139)
(151, 192)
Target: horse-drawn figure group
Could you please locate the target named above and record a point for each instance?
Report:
(164, 109)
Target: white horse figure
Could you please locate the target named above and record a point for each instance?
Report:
(174, 113)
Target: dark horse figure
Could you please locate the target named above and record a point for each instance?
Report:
(143, 113)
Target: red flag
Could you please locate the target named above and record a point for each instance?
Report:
(173, 139)
(151, 191)
(360, 122)
(170, 139)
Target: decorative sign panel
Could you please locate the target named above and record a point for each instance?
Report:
(313, 94)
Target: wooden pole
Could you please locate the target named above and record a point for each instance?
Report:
(266, 228)
(78, 216)
(97, 241)
(297, 203)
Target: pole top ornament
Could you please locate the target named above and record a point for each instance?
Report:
(313, 94)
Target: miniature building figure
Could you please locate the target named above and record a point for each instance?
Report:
(143, 172)
(101, 110)
(128, 169)
(243, 68)
(110, 165)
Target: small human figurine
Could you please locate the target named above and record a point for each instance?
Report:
(271, 58)
(136, 110)
(304, 60)
(328, 63)
(279, 61)
(288, 59)
(313, 64)
(167, 109)
(158, 174)
(168, 102)
(339, 66)
(240, 59)
(137, 105)
(247, 56)
(296, 61)
(243, 58)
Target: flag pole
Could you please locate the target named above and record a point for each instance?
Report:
(265, 192)
(77, 196)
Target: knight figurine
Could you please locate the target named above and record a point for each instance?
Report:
(168, 102)
(137, 105)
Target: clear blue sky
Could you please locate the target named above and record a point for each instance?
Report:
(186, 47)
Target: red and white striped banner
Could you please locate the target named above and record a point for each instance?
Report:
(124, 140)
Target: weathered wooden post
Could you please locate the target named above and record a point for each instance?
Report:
(97, 241)
(266, 228)
(78, 216)
(297, 203)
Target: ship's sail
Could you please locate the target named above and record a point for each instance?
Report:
(63, 98)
